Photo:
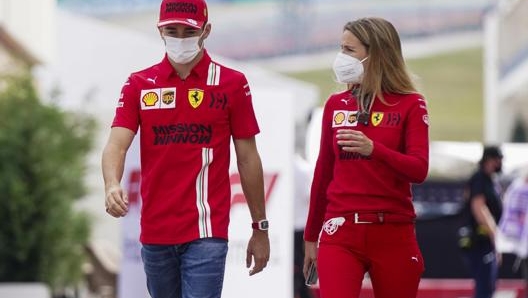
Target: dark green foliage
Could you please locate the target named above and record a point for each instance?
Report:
(42, 166)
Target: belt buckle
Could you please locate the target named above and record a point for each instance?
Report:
(356, 219)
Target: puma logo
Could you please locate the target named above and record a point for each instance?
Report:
(153, 80)
(345, 100)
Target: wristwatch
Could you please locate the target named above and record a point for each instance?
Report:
(262, 225)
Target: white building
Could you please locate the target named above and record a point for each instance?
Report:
(32, 23)
(506, 69)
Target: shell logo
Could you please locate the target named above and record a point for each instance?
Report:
(339, 118)
(150, 99)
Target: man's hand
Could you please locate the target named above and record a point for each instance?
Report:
(116, 201)
(258, 251)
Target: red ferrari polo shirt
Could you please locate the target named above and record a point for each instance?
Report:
(185, 132)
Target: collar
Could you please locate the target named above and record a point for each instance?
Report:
(199, 70)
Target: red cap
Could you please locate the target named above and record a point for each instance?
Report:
(188, 12)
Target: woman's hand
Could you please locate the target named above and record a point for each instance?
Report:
(310, 255)
(354, 141)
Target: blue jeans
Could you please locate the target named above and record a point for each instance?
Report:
(189, 270)
(484, 269)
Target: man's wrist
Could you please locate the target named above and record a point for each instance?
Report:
(261, 225)
(112, 184)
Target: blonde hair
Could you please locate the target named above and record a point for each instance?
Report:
(385, 70)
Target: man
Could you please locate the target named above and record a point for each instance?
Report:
(187, 108)
(483, 211)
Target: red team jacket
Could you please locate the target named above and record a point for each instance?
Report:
(346, 182)
(185, 132)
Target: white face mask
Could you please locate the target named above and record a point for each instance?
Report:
(182, 50)
(348, 69)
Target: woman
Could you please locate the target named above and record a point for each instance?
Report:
(374, 144)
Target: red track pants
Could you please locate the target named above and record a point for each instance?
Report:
(389, 252)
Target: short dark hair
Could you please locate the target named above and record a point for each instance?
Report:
(489, 152)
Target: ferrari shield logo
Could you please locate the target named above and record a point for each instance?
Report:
(195, 97)
(376, 118)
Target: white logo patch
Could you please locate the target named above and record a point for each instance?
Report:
(331, 225)
(343, 118)
(158, 98)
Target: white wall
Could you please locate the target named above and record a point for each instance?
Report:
(24, 290)
(31, 22)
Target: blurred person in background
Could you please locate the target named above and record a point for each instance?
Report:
(302, 180)
(187, 108)
(481, 214)
(374, 145)
(512, 236)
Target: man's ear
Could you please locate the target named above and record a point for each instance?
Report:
(207, 30)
